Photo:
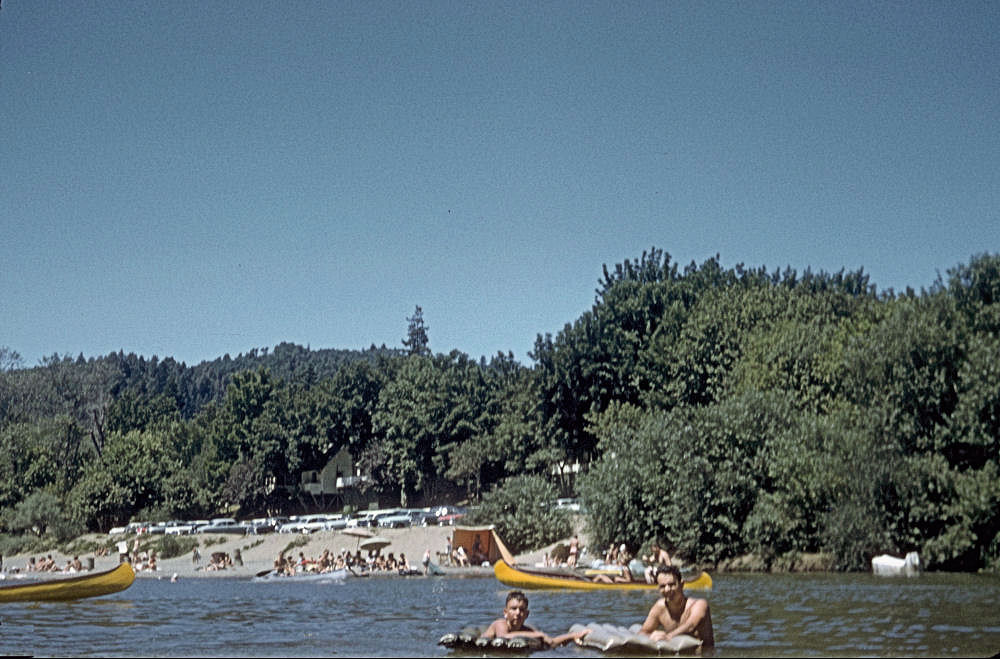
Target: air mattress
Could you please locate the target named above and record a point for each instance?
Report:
(608, 638)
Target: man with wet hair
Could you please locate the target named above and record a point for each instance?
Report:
(675, 613)
(511, 625)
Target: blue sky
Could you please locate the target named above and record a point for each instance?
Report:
(190, 179)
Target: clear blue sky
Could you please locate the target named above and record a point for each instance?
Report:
(190, 179)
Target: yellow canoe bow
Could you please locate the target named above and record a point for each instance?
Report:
(531, 579)
(71, 588)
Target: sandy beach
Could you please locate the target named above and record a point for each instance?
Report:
(259, 552)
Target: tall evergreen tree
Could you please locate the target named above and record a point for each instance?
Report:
(416, 342)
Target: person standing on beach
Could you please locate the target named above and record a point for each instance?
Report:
(574, 550)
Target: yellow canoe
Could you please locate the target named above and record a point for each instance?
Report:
(531, 579)
(71, 588)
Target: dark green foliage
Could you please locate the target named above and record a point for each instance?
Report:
(720, 410)
(521, 509)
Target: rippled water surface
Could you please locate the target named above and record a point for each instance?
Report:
(760, 615)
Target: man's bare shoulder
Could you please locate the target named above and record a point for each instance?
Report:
(496, 629)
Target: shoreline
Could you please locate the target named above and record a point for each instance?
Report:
(259, 552)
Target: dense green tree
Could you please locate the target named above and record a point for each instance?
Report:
(522, 510)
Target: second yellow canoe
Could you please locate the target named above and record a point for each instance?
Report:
(528, 579)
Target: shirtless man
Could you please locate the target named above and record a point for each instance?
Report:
(677, 613)
(515, 612)
(657, 558)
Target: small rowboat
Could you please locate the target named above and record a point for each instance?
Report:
(273, 576)
(71, 588)
(535, 579)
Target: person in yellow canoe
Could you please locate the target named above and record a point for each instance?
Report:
(511, 625)
(676, 613)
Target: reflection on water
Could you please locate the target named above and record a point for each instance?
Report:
(755, 615)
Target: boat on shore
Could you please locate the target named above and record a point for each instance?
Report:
(275, 576)
(541, 578)
(893, 566)
(70, 588)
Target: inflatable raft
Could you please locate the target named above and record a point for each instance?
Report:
(469, 639)
(605, 638)
(621, 640)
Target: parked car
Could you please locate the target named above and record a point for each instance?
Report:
(262, 525)
(363, 519)
(396, 519)
(572, 505)
(448, 515)
(424, 517)
(312, 523)
(224, 525)
(187, 527)
(337, 522)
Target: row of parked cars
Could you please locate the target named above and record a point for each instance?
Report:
(390, 518)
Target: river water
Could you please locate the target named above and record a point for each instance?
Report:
(835, 615)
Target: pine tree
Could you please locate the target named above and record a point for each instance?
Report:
(416, 341)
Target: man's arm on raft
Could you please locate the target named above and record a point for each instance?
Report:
(652, 622)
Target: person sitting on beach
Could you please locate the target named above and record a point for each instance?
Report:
(675, 613)
(478, 555)
(511, 625)
(460, 557)
(151, 563)
(76, 564)
(402, 564)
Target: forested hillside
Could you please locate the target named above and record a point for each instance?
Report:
(724, 411)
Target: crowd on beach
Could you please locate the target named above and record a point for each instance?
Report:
(48, 564)
(374, 562)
